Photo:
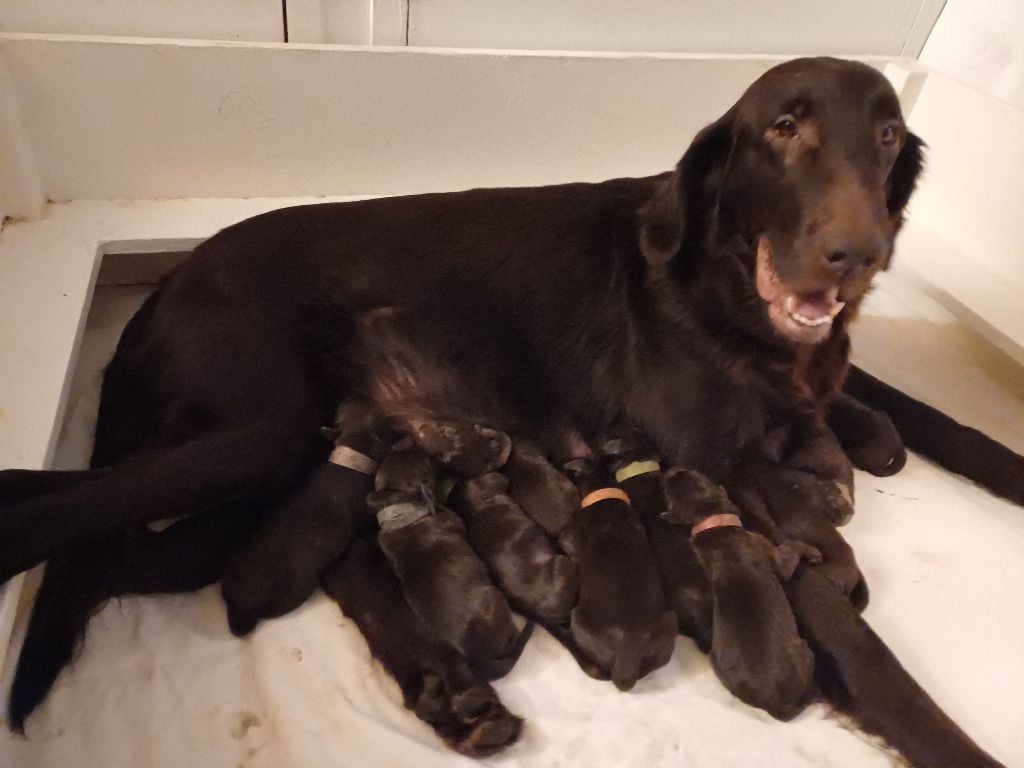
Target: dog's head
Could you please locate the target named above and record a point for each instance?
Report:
(804, 181)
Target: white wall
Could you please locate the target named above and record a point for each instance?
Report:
(884, 27)
(981, 44)
(200, 19)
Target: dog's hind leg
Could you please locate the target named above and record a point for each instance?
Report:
(184, 557)
(254, 460)
(19, 484)
(861, 677)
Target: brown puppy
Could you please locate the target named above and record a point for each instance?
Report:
(621, 623)
(445, 582)
(436, 682)
(546, 495)
(638, 472)
(796, 500)
(756, 650)
(538, 581)
(275, 570)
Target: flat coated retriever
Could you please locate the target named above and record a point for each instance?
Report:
(708, 306)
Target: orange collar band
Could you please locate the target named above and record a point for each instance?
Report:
(716, 521)
(603, 494)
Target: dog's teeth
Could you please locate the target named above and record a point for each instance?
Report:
(812, 322)
(838, 308)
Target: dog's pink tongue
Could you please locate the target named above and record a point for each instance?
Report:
(815, 306)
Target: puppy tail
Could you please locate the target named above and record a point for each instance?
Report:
(937, 437)
(74, 585)
(862, 678)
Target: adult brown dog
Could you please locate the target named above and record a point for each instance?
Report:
(704, 305)
(691, 303)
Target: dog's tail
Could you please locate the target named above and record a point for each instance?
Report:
(936, 436)
(861, 677)
(74, 585)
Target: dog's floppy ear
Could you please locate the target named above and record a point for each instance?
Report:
(903, 176)
(685, 199)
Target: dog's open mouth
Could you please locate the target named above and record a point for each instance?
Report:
(801, 317)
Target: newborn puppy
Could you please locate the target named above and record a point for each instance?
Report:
(546, 495)
(756, 650)
(795, 502)
(538, 581)
(638, 472)
(466, 449)
(621, 622)
(436, 682)
(280, 565)
(445, 582)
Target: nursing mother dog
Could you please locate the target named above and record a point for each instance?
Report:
(705, 305)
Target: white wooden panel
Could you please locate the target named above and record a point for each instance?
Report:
(714, 26)
(974, 182)
(200, 19)
(21, 186)
(142, 119)
(304, 21)
(347, 22)
(390, 20)
(981, 44)
(967, 231)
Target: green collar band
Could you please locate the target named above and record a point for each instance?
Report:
(636, 468)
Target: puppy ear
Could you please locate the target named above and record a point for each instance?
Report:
(685, 198)
(903, 176)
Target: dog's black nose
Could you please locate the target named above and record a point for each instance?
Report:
(846, 256)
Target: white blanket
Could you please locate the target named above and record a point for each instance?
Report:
(161, 683)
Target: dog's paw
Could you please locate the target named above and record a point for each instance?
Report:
(473, 721)
(790, 553)
(466, 449)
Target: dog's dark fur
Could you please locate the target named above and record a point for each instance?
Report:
(546, 495)
(860, 676)
(436, 681)
(756, 650)
(685, 582)
(275, 570)
(539, 581)
(444, 580)
(186, 556)
(621, 622)
(869, 438)
(633, 296)
(949, 444)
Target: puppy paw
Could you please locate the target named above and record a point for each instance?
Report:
(788, 556)
(466, 449)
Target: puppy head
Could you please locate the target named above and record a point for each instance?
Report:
(803, 183)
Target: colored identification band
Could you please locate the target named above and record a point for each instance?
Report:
(636, 468)
(603, 494)
(716, 521)
(350, 458)
(444, 489)
(401, 514)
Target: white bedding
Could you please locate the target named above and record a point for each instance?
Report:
(161, 683)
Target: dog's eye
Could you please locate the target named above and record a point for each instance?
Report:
(890, 133)
(785, 127)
